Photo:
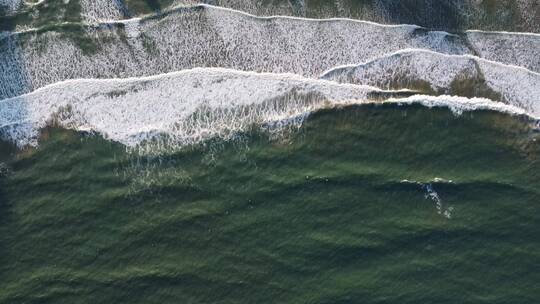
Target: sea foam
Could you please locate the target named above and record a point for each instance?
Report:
(187, 107)
(458, 105)
(448, 14)
(524, 47)
(90, 10)
(446, 74)
(98, 10)
(207, 36)
(452, 15)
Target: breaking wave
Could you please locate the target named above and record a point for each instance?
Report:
(446, 74)
(207, 36)
(187, 107)
(459, 105)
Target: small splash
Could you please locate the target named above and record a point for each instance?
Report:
(431, 194)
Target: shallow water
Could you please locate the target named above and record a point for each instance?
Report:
(449, 15)
(366, 204)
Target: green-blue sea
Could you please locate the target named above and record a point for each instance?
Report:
(362, 204)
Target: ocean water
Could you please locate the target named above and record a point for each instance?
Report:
(448, 15)
(361, 204)
(209, 36)
(284, 151)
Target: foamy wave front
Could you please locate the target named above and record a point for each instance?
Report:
(459, 105)
(207, 36)
(447, 74)
(187, 107)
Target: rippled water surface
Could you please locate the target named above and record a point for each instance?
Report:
(270, 151)
(364, 204)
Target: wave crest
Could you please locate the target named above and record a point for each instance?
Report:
(189, 106)
(186, 106)
(436, 73)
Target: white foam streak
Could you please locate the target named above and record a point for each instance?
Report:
(295, 18)
(458, 105)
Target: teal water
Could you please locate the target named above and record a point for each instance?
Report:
(370, 204)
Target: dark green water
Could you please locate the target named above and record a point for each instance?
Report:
(320, 216)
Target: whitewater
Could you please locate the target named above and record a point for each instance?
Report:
(208, 36)
(190, 106)
(188, 74)
(446, 74)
